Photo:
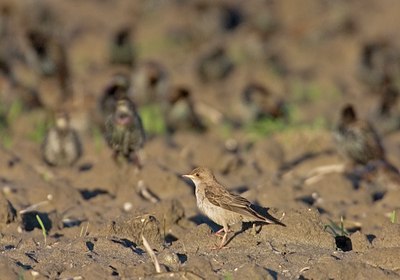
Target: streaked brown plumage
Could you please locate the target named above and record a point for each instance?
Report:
(221, 206)
(150, 83)
(116, 89)
(261, 103)
(122, 51)
(386, 117)
(356, 139)
(378, 59)
(214, 65)
(124, 131)
(180, 113)
(61, 146)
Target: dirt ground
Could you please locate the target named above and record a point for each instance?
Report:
(306, 52)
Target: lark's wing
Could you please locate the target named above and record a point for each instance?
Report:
(219, 196)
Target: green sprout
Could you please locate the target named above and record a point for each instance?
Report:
(335, 229)
(43, 228)
(393, 217)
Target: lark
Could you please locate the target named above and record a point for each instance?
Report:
(61, 146)
(356, 139)
(221, 206)
(124, 131)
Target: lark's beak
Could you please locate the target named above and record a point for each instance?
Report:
(188, 176)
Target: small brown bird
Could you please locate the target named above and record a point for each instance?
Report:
(215, 65)
(61, 146)
(150, 83)
(386, 116)
(221, 206)
(356, 139)
(116, 89)
(261, 103)
(180, 113)
(124, 131)
(378, 59)
(122, 51)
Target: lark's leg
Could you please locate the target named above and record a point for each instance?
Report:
(218, 233)
(223, 241)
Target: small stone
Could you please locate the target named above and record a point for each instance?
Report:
(170, 259)
(127, 206)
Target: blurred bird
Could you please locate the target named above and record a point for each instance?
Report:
(260, 103)
(46, 50)
(121, 50)
(61, 146)
(215, 65)
(180, 113)
(210, 19)
(13, 62)
(385, 116)
(150, 83)
(380, 176)
(51, 60)
(378, 60)
(124, 131)
(221, 206)
(116, 89)
(356, 139)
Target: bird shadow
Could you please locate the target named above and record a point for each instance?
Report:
(246, 226)
(264, 212)
(202, 219)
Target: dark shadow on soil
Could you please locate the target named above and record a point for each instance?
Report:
(343, 243)
(182, 258)
(264, 212)
(85, 167)
(128, 244)
(273, 274)
(89, 194)
(30, 222)
(24, 266)
(201, 219)
(371, 237)
(170, 238)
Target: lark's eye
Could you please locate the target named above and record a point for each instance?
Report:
(197, 174)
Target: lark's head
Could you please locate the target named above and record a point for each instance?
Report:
(200, 174)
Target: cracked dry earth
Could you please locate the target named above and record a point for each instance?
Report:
(95, 215)
(94, 235)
